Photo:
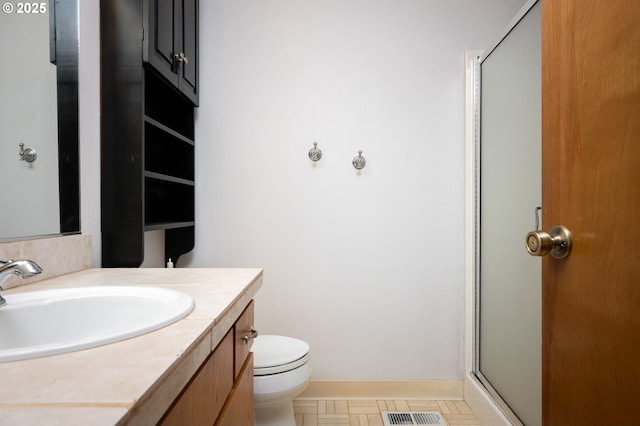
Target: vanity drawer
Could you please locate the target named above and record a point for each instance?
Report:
(244, 333)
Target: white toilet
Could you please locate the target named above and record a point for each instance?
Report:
(281, 371)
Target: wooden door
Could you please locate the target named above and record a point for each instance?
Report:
(591, 185)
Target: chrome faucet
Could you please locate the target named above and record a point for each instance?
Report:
(24, 267)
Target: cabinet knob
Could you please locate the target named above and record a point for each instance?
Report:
(181, 58)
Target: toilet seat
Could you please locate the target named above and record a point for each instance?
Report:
(278, 354)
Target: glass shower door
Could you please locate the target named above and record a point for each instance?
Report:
(509, 350)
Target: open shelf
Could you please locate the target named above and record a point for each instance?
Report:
(167, 202)
(166, 106)
(167, 154)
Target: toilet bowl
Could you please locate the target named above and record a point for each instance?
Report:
(281, 371)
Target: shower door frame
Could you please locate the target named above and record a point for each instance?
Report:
(475, 373)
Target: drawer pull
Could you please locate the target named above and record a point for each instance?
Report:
(253, 334)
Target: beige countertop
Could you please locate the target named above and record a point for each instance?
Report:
(133, 381)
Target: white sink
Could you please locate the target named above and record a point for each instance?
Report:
(48, 322)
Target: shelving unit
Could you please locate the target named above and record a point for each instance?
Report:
(169, 157)
(148, 180)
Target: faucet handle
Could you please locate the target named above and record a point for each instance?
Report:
(25, 267)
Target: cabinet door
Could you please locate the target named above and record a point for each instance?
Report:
(188, 70)
(243, 329)
(239, 407)
(162, 36)
(222, 374)
(171, 47)
(205, 395)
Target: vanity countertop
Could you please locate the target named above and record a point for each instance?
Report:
(133, 381)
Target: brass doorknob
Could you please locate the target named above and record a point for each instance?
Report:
(557, 242)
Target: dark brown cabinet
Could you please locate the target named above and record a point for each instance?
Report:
(147, 130)
(171, 43)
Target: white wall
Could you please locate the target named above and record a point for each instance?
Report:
(367, 267)
(89, 117)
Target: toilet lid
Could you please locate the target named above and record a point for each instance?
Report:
(273, 351)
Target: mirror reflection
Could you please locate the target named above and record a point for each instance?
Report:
(38, 115)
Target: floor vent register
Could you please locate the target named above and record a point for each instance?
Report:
(391, 418)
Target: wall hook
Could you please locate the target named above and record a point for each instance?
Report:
(315, 153)
(27, 154)
(359, 162)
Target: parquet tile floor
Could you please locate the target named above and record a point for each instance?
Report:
(367, 412)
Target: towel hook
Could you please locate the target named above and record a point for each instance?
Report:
(27, 154)
(315, 153)
(359, 162)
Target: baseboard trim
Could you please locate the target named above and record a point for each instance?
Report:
(383, 389)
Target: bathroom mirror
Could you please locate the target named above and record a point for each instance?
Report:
(39, 109)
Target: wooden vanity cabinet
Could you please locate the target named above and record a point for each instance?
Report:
(216, 395)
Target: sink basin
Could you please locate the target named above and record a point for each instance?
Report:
(49, 322)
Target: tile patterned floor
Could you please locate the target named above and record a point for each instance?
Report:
(367, 412)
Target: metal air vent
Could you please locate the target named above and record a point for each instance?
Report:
(391, 418)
